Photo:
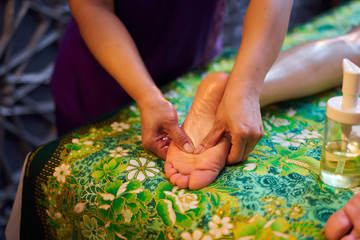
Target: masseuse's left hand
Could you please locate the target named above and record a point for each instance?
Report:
(239, 116)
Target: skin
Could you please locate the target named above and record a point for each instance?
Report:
(264, 29)
(195, 171)
(345, 223)
(238, 114)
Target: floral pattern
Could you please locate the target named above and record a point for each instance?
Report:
(141, 169)
(99, 183)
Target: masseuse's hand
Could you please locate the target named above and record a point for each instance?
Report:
(160, 126)
(239, 116)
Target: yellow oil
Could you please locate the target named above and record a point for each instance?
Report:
(340, 164)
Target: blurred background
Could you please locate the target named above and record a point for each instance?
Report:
(30, 31)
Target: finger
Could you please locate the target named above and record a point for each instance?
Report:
(338, 225)
(251, 145)
(352, 210)
(181, 139)
(158, 147)
(237, 149)
(353, 235)
(211, 139)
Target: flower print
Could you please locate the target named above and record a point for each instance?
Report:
(220, 227)
(197, 235)
(127, 215)
(277, 122)
(133, 108)
(78, 142)
(171, 94)
(185, 201)
(289, 139)
(310, 134)
(141, 168)
(355, 190)
(249, 166)
(118, 152)
(119, 126)
(296, 211)
(322, 104)
(91, 229)
(79, 207)
(267, 126)
(108, 167)
(61, 172)
(291, 112)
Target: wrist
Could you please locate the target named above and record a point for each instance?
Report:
(150, 100)
(244, 88)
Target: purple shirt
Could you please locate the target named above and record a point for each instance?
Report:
(173, 37)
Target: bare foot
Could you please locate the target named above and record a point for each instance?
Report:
(195, 171)
(345, 223)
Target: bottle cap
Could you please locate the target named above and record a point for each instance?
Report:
(345, 109)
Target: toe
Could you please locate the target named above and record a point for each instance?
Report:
(183, 181)
(202, 178)
(169, 170)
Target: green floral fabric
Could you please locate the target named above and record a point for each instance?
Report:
(99, 183)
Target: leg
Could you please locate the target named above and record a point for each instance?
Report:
(310, 68)
(195, 171)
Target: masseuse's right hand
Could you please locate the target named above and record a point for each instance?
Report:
(160, 126)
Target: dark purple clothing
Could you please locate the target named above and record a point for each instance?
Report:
(173, 37)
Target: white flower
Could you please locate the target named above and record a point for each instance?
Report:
(119, 126)
(310, 134)
(133, 108)
(185, 201)
(250, 166)
(61, 172)
(220, 227)
(289, 139)
(127, 215)
(118, 152)
(277, 122)
(140, 169)
(291, 112)
(267, 126)
(197, 235)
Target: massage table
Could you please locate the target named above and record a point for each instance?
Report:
(98, 182)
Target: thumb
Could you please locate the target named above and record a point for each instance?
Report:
(181, 139)
(211, 139)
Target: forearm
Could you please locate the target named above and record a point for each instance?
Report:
(264, 29)
(111, 44)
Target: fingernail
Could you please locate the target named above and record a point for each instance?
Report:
(198, 149)
(188, 148)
